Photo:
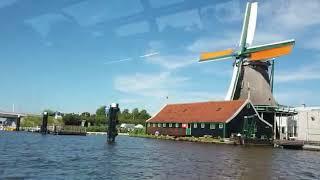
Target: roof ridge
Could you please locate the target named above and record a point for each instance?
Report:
(207, 102)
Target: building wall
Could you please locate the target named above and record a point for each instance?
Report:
(308, 124)
(195, 131)
(287, 127)
(236, 125)
(172, 131)
(199, 131)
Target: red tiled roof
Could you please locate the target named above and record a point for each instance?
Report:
(214, 111)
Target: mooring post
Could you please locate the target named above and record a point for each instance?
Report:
(112, 122)
(18, 123)
(44, 125)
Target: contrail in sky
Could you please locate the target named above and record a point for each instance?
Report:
(130, 59)
(150, 54)
(116, 61)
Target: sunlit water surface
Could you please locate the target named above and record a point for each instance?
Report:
(34, 156)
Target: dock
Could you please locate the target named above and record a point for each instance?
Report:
(289, 144)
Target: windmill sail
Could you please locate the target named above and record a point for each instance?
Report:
(247, 34)
(217, 55)
(252, 23)
(269, 51)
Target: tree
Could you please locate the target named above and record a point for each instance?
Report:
(101, 111)
(101, 117)
(144, 115)
(135, 113)
(124, 116)
(72, 119)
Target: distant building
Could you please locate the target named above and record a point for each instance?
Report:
(308, 123)
(219, 119)
(287, 127)
(127, 127)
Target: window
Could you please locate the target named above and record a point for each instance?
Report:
(159, 124)
(170, 124)
(148, 124)
(212, 126)
(202, 125)
(164, 125)
(221, 125)
(282, 130)
(312, 118)
(153, 124)
(195, 125)
(177, 125)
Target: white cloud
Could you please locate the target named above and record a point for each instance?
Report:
(133, 28)
(229, 11)
(42, 24)
(4, 3)
(263, 37)
(308, 72)
(189, 20)
(97, 34)
(194, 96)
(300, 97)
(290, 15)
(226, 40)
(171, 62)
(155, 85)
(313, 43)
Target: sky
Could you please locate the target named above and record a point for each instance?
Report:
(77, 55)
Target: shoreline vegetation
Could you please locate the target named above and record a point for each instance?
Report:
(94, 122)
(205, 139)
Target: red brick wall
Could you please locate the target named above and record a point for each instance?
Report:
(167, 131)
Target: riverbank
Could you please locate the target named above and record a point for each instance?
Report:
(205, 139)
(211, 140)
(105, 133)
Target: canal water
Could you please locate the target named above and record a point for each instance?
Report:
(34, 156)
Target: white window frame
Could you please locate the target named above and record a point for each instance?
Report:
(203, 125)
(176, 125)
(153, 124)
(149, 125)
(220, 125)
(195, 125)
(212, 126)
(164, 125)
(170, 124)
(159, 124)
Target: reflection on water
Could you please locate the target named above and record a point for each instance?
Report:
(33, 156)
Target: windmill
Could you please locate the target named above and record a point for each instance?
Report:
(252, 76)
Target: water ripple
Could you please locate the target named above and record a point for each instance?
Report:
(33, 156)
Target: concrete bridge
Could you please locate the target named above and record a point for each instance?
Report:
(4, 114)
(11, 119)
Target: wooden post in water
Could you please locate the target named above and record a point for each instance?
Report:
(112, 122)
(18, 123)
(44, 125)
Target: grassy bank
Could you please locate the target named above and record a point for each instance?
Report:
(205, 139)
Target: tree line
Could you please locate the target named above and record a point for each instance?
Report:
(135, 116)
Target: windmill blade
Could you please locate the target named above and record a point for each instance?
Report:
(269, 51)
(233, 83)
(217, 55)
(249, 25)
(252, 23)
